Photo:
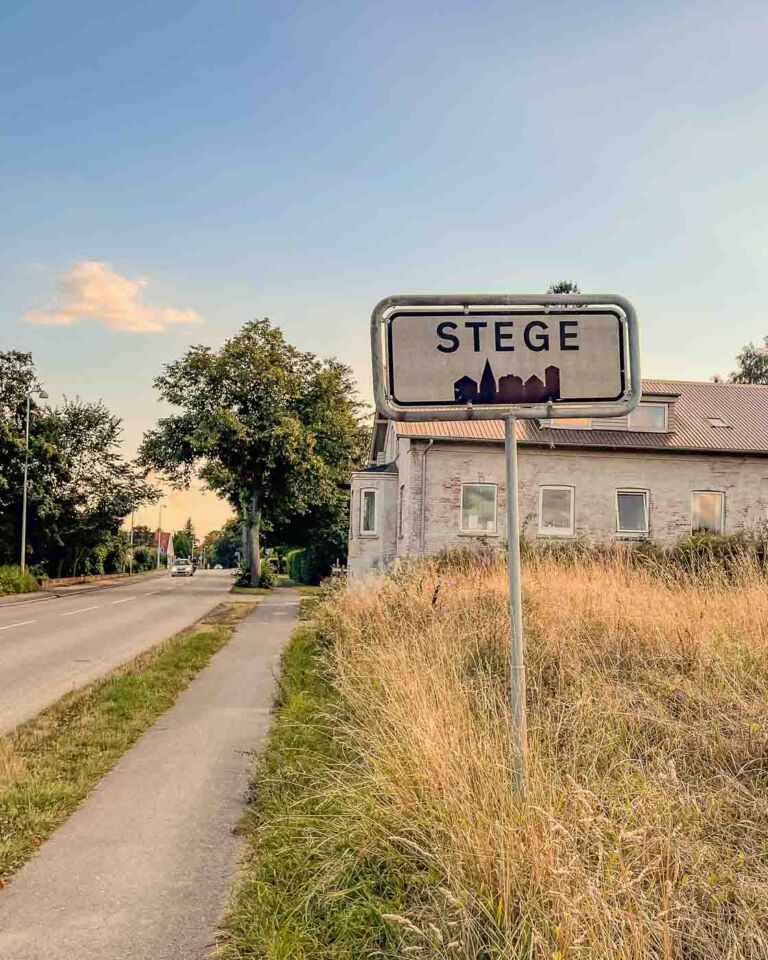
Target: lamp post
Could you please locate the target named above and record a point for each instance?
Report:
(43, 396)
(130, 549)
(159, 528)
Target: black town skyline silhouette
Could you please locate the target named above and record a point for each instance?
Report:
(511, 388)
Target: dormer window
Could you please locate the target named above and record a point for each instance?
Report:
(649, 417)
(570, 423)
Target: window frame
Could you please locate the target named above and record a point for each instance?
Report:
(361, 524)
(469, 532)
(650, 403)
(721, 494)
(555, 531)
(639, 534)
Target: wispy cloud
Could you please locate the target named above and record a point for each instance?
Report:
(92, 290)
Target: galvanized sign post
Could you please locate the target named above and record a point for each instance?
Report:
(510, 357)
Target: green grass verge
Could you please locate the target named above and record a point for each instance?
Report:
(306, 894)
(50, 764)
(252, 591)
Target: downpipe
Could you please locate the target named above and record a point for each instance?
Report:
(424, 495)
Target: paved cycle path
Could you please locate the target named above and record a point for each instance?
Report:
(142, 870)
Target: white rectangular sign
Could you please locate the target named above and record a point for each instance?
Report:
(527, 356)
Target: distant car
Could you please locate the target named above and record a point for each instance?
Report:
(182, 568)
(218, 567)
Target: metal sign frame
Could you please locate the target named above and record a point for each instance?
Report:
(465, 304)
(389, 408)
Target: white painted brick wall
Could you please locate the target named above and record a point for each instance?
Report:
(373, 552)
(595, 475)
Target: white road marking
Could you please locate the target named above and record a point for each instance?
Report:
(81, 610)
(22, 624)
(124, 600)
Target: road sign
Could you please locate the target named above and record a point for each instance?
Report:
(483, 356)
(506, 357)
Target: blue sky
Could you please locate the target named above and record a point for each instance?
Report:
(302, 160)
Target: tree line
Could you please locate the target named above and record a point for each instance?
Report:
(273, 430)
(80, 487)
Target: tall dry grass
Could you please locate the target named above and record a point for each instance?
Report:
(644, 829)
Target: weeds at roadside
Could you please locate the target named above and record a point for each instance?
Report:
(384, 822)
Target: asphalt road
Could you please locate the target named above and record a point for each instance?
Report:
(141, 871)
(51, 647)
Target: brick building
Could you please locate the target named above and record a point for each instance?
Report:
(693, 456)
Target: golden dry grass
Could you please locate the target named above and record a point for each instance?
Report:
(644, 829)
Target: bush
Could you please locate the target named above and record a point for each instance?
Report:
(298, 566)
(268, 576)
(15, 580)
(143, 559)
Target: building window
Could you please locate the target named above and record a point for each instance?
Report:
(649, 417)
(556, 511)
(707, 511)
(570, 423)
(368, 511)
(717, 422)
(632, 512)
(478, 508)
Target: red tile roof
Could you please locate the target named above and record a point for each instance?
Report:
(744, 407)
(165, 540)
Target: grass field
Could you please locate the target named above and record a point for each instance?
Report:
(384, 823)
(50, 764)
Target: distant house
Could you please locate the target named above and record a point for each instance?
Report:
(166, 545)
(693, 456)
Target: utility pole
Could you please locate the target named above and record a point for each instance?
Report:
(43, 396)
(130, 554)
(159, 528)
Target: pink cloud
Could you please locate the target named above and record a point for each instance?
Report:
(91, 290)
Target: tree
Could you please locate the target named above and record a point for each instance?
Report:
(143, 536)
(564, 286)
(184, 540)
(267, 426)
(752, 365)
(80, 488)
(85, 488)
(223, 546)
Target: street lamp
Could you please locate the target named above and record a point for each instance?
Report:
(159, 528)
(43, 396)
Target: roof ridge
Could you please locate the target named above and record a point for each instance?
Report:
(707, 383)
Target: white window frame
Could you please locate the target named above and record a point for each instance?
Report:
(556, 531)
(375, 531)
(647, 498)
(651, 403)
(469, 532)
(721, 494)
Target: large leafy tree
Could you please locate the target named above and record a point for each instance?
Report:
(274, 430)
(752, 365)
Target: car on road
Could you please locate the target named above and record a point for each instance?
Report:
(182, 568)
(218, 567)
